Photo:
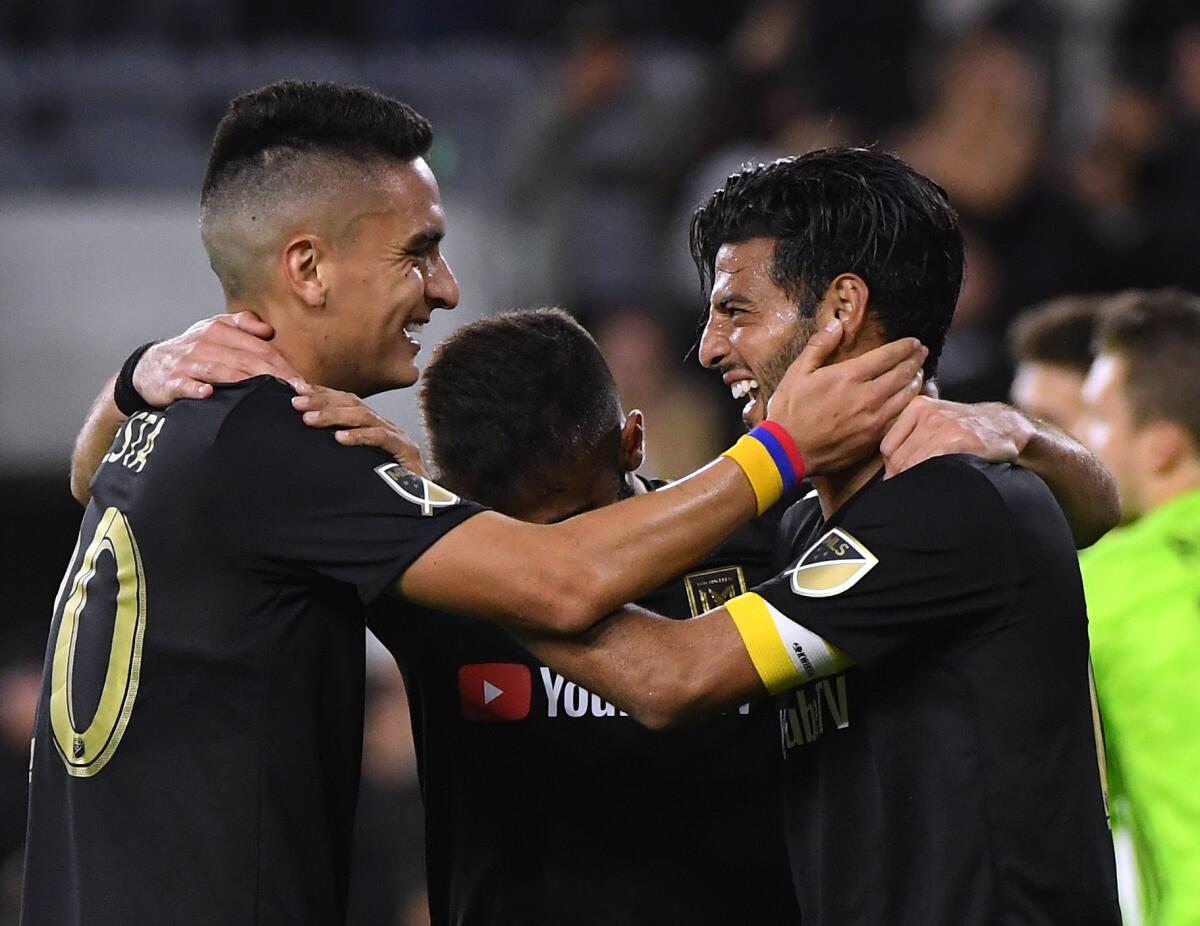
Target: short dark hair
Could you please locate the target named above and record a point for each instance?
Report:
(1157, 332)
(512, 399)
(845, 210)
(312, 117)
(1060, 332)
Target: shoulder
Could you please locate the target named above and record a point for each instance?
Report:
(254, 401)
(949, 490)
(800, 515)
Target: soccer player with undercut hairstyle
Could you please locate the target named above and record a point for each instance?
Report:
(196, 750)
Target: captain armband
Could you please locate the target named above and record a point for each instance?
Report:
(771, 461)
(784, 653)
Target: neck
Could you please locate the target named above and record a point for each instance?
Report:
(1177, 481)
(294, 341)
(835, 489)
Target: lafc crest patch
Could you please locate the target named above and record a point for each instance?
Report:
(416, 489)
(831, 565)
(713, 587)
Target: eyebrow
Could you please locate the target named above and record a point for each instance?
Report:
(424, 238)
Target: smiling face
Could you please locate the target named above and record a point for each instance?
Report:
(754, 329)
(385, 277)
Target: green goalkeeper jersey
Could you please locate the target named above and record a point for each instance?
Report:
(1143, 594)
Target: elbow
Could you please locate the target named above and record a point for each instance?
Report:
(572, 600)
(81, 488)
(670, 702)
(658, 716)
(1106, 515)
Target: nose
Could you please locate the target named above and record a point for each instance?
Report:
(714, 344)
(441, 287)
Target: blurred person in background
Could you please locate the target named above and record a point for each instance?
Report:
(1142, 418)
(1139, 175)
(1051, 347)
(984, 137)
(587, 164)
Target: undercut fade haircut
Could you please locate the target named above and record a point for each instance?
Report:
(845, 210)
(1157, 332)
(1061, 332)
(287, 149)
(513, 400)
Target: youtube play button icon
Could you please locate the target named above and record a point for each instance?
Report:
(494, 691)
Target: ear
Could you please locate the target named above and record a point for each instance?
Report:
(633, 442)
(303, 266)
(1162, 445)
(846, 300)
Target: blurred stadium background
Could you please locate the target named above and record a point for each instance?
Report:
(572, 141)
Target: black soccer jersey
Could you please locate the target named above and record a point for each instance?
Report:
(196, 753)
(547, 805)
(951, 777)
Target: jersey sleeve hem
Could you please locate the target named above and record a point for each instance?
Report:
(389, 577)
(784, 653)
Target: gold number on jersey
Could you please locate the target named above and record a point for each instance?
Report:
(86, 752)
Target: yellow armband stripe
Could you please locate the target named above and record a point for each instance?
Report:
(760, 468)
(767, 650)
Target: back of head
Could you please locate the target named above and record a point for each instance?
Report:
(846, 210)
(1157, 334)
(513, 401)
(1060, 332)
(285, 153)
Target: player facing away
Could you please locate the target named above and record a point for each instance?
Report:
(196, 751)
(544, 803)
(925, 634)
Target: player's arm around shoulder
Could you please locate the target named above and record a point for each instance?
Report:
(222, 349)
(1083, 488)
(663, 672)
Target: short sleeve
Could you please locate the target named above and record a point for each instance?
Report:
(290, 500)
(925, 554)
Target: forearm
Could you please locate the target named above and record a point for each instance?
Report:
(1084, 489)
(565, 577)
(103, 421)
(660, 671)
(634, 547)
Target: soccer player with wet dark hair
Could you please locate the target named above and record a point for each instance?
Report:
(925, 634)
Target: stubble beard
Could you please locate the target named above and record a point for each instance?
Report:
(773, 370)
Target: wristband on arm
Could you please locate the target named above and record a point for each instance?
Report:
(771, 461)
(128, 399)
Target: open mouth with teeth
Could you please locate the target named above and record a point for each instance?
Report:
(743, 388)
(413, 328)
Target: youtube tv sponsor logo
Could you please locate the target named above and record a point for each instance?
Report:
(494, 691)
